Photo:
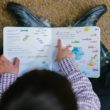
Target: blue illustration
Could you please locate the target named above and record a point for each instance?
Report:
(78, 52)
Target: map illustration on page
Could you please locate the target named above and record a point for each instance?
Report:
(36, 47)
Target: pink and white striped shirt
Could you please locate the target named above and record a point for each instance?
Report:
(86, 97)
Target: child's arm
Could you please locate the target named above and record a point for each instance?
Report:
(6, 80)
(8, 73)
(86, 97)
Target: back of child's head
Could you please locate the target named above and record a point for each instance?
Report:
(39, 90)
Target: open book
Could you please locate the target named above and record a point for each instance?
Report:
(36, 47)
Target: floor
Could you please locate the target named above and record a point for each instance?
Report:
(59, 12)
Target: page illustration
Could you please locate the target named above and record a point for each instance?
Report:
(85, 42)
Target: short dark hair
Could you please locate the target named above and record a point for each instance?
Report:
(39, 90)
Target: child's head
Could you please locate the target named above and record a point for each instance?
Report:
(39, 90)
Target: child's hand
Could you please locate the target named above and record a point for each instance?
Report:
(63, 52)
(7, 67)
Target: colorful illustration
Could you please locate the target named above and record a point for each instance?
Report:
(86, 29)
(91, 63)
(78, 52)
(76, 41)
(26, 37)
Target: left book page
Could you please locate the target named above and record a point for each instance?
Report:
(31, 45)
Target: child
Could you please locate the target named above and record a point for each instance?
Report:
(86, 99)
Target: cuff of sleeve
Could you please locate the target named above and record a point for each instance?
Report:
(67, 66)
(8, 79)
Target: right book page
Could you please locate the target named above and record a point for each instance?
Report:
(85, 42)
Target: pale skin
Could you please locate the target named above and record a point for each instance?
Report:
(13, 67)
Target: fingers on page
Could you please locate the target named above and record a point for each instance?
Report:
(59, 44)
(16, 62)
(3, 59)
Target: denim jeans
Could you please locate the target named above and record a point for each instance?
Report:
(1, 51)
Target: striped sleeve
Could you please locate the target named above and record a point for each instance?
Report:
(6, 80)
(86, 97)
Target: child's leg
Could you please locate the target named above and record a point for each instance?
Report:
(91, 17)
(25, 17)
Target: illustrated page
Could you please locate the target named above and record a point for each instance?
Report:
(30, 45)
(85, 42)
